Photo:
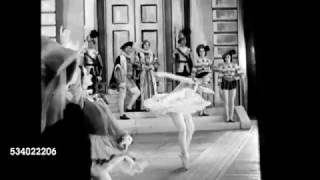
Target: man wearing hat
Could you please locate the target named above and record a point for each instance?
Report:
(183, 57)
(122, 79)
(92, 60)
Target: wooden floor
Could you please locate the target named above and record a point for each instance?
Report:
(223, 155)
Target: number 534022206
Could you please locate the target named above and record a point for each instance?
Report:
(33, 151)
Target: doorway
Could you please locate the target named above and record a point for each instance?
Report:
(130, 20)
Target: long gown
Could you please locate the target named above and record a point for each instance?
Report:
(148, 82)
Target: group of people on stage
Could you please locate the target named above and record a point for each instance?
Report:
(194, 76)
(77, 120)
(135, 75)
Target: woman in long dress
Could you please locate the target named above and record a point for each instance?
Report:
(179, 105)
(229, 73)
(149, 64)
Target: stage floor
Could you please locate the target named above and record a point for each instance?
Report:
(224, 155)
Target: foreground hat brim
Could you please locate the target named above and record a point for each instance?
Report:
(57, 58)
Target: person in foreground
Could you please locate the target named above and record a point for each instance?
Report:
(179, 105)
(63, 124)
(109, 143)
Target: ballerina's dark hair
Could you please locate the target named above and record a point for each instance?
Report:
(205, 47)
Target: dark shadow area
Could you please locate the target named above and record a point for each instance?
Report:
(273, 44)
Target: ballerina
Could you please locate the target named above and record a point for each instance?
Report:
(179, 105)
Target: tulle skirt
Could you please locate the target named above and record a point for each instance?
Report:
(104, 148)
(181, 101)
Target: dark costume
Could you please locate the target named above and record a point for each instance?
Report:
(122, 75)
(69, 135)
(183, 61)
(95, 65)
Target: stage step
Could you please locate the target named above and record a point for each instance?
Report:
(146, 122)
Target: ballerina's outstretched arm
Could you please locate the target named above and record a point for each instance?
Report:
(175, 77)
(186, 80)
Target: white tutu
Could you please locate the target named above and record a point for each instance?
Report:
(184, 101)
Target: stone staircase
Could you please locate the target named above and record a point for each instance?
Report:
(148, 122)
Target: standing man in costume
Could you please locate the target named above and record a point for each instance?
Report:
(92, 60)
(122, 79)
(183, 57)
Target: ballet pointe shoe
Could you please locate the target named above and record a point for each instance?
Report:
(185, 161)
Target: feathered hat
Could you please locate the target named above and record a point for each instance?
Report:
(229, 52)
(130, 43)
(55, 58)
(56, 62)
(183, 34)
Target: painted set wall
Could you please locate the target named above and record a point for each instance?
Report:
(79, 16)
(201, 25)
(202, 29)
(90, 10)
(70, 15)
(177, 19)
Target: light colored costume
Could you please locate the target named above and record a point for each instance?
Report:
(184, 98)
(106, 136)
(149, 65)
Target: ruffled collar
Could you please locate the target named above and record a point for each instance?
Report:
(124, 54)
(146, 51)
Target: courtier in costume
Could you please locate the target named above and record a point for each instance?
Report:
(92, 60)
(122, 79)
(183, 57)
(149, 64)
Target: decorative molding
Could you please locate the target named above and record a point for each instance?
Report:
(127, 20)
(145, 7)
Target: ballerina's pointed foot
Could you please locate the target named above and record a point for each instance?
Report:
(185, 161)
